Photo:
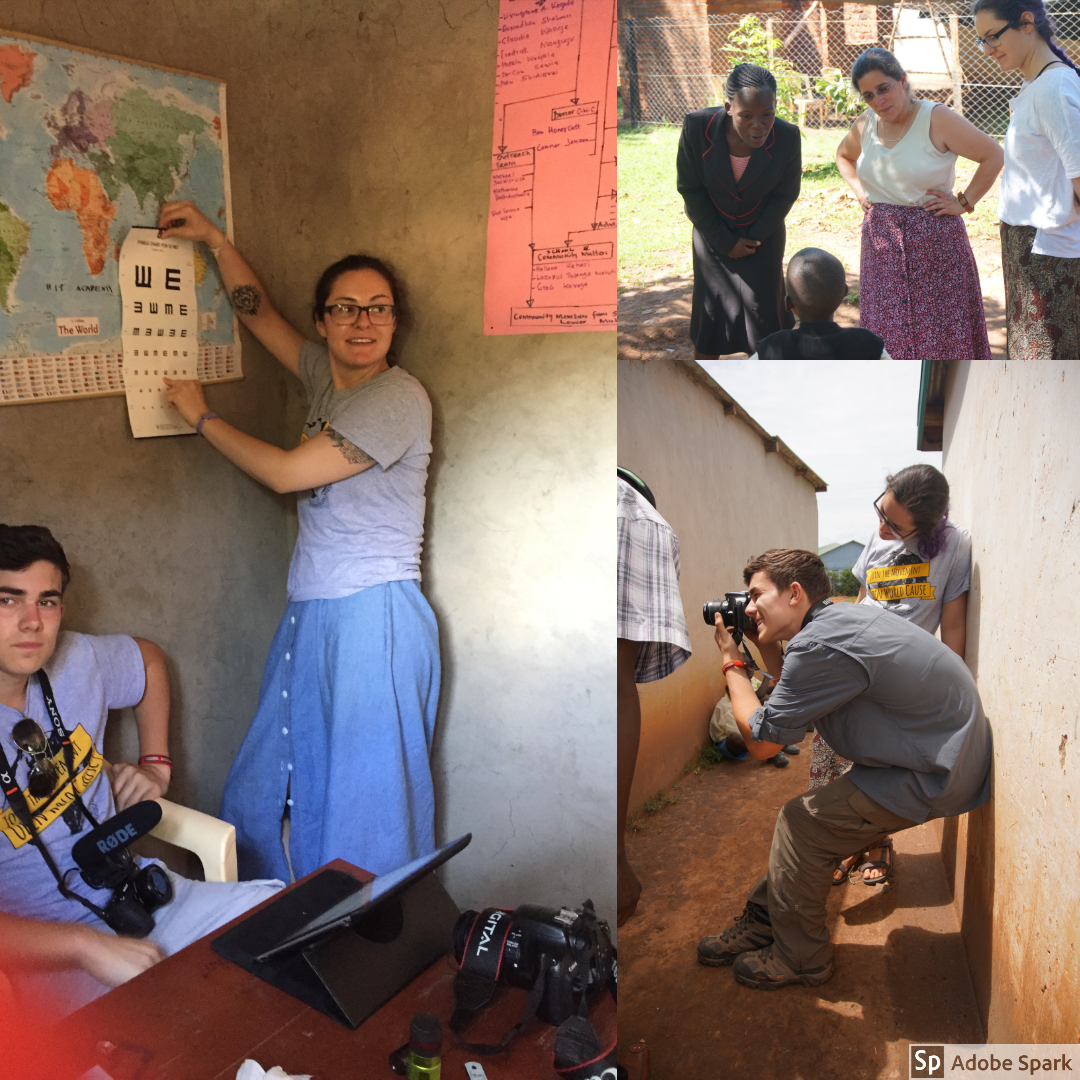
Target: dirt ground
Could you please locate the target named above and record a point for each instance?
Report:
(655, 318)
(901, 975)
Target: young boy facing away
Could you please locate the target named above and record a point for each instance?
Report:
(816, 287)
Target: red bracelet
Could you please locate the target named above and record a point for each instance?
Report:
(155, 759)
(734, 663)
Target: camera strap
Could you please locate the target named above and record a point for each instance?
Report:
(17, 801)
(72, 815)
(475, 982)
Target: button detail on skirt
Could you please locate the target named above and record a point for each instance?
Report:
(284, 731)
(288, 656)
(292, 618)
(288, 802)
(290, 768)
(284, 693)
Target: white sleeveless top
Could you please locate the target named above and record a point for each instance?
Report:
(903, 174)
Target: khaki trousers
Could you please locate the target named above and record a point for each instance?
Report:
(813, 831)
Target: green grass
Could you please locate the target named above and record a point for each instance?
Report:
(654, 234)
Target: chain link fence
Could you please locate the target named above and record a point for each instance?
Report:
(671, 66)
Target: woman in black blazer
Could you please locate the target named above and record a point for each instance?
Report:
(739, 170)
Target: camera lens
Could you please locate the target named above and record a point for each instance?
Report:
(152, 886)
(710, 609)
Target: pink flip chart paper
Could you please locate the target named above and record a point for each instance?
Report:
(552, 216)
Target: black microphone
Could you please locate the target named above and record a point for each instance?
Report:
(115, 834)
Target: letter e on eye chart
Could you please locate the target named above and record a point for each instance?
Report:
(552, 209)
(160, 328)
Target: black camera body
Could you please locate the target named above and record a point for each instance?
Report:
(733, 610)
(105, 862)
(571, 948)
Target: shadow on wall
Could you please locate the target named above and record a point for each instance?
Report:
(976, 840)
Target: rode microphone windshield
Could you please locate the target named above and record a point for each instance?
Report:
(115, 834)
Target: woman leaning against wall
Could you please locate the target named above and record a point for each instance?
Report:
(918, 282)
(917, 565)
(1039, 204)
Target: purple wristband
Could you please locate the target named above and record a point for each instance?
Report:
(202, 420)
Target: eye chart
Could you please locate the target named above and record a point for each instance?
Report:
(160, 328)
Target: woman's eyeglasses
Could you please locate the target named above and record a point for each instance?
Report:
(882, 92)
(30, 739)
(894, 529)
(346, 314)
(991, 40)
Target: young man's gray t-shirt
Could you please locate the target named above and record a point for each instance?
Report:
(367, 529)
(90, 675)
(899, 579)
(892, 698)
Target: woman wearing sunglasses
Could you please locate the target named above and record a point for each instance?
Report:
(341, 739)
(1039, 202)
(918, 565)
(918, 285)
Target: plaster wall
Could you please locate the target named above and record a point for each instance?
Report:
(727, 499)
(1012, 457)
(365, 127)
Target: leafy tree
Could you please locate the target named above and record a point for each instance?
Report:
(844, 583)
(835, 87)
(750, 43)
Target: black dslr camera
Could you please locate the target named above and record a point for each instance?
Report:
(105, 862)
(733, 610)
(570, 951)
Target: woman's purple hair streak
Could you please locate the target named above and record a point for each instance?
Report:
(924, 493)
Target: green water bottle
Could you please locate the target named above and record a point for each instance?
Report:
(425, 1047)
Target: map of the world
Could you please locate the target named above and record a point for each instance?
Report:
(90, 146)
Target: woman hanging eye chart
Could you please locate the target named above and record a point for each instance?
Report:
(339, 746)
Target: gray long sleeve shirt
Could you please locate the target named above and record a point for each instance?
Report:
(892, 698)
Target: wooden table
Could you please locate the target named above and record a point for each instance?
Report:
(197, 1016)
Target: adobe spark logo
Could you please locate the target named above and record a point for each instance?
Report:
(926, 1062)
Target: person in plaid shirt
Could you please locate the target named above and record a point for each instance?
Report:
(653, 640)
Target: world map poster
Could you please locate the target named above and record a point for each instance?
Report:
(91, 145)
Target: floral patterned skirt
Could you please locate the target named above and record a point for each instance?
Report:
(1042, 299)
(826, 765)
(919, 285)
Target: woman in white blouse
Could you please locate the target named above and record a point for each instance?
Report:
(918, 284)
(1039, 204)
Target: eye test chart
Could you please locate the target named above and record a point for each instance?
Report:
(161, 328)
(92, 146)
(552, 214)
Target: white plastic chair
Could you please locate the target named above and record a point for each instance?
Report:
(210, 838)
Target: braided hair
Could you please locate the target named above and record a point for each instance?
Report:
(748, 77)
(1011, 10)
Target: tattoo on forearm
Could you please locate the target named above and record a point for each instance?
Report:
(246, 299)
(353, 454)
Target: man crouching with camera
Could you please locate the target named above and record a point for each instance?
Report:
(62, 902)
(884, 693)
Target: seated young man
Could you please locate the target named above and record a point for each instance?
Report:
(59, 954)
(882, 692)
(816, 287)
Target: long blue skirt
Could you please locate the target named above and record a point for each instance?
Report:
(343, 732)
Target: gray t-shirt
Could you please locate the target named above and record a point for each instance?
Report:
(369, 528)
(892, 698)
(899, 579)
(89, 676)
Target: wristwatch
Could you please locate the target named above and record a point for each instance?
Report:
(963, 200)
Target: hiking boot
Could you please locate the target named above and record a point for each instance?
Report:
(752, 930)
(792, 748)
(780, 760)
(764, 971)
